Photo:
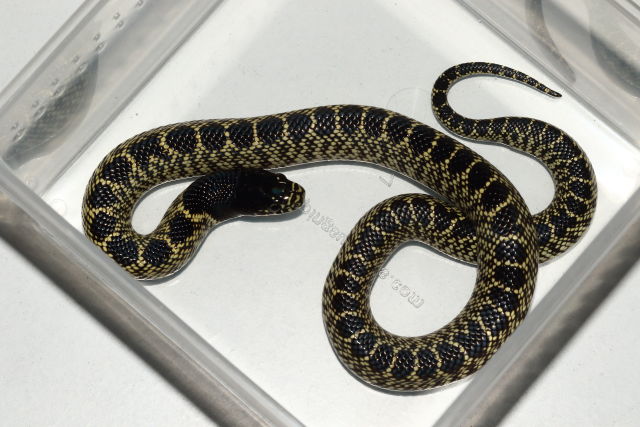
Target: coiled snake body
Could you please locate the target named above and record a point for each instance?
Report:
(483, 219)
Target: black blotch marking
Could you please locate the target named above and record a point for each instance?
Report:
(479, 175)
(513, 128)
(444, 113)
(213, 136)
(510, 250)
(350, 116)
(157, 252)
(427, 363)
(461, 161)
(506, 220)
(561, 222)
(180, 228)
(536, 129)
(482, 128)
(475, 342)
(117, 170)
(442, 149)
(299, 125)
(510, 276)
(493, 319)
(381, 358)
(325, 120)
(496, 125)
(362, 344)
(566, 148)
(347, 283)
(385, 221)
(422, 138)
(495, 194)
(404, 364)
(364, 249)
(270, 130)
(147, 148)
(450, 75)
(182, 139)
(551, 133)
(464, 228)
(422, 210)
(102, 225)
(455, 121)
(210, 194)
(374, 121)
(506, 300)
(575, 206)
(441, 84)
(349, 325)
(402, 210)
(438, 99)
(397, 128)
(355, 266)
(101, 196)
(343, 302)
(452, 357)
(241, 134)
(544, 233)
(579, 169)
(514, 137)
(466, 125)
(442, 217)
(581, 189)
(123, 251)
(193, 202)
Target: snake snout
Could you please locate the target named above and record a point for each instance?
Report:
(289, 198)
(296, 195)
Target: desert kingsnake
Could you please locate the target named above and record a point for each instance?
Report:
(483, 220)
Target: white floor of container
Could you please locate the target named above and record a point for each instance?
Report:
(260, 302)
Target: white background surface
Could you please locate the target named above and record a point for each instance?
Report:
(58, 366)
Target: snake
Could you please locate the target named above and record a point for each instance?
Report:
(477, 215)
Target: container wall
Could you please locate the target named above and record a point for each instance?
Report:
(591, 46)
(91, 68)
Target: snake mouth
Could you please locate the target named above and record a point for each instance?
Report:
(295, 198)
(291, 199)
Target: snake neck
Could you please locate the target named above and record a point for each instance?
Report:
(213, 195)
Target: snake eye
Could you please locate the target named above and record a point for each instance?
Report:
(277, 191)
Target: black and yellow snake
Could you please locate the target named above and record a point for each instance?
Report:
(483, 219)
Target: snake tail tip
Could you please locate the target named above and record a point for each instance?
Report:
(552, 92)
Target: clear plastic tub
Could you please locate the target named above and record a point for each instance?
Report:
(240, 330)
(591, 46)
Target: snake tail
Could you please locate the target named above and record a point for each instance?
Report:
(569, 214)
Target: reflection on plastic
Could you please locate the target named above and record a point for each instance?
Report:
(64, 109)
(84, 76)
(616, 47)
(616, 44)
(593, 46)
(537, 24)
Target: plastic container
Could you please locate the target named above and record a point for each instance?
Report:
(240, 330)
(592, 47)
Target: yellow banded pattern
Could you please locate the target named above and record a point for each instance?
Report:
(483, 220)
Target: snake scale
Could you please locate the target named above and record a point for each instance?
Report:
(481, 218)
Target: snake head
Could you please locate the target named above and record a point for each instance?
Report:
(261, 192)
